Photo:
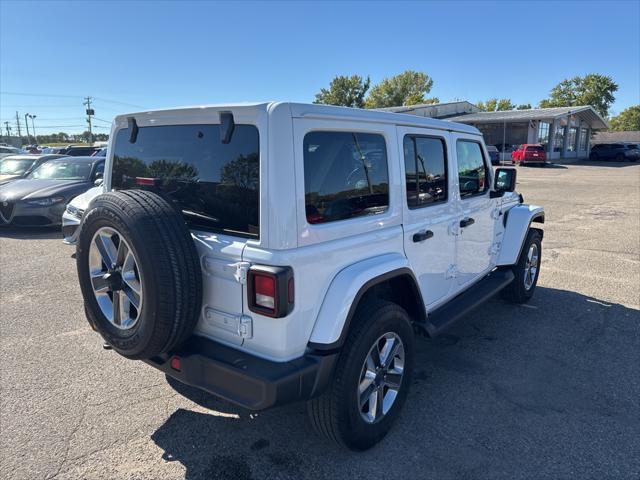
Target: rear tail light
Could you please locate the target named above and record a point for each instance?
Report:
(270, 290)
(265, 286)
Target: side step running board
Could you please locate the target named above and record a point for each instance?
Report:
(446, 315)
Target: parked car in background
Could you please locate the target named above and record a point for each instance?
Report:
(54, 150)
(529, 153)
(41, 197)
(102, 152)
(494, 155)
(615, 151)
(80, 151)
(72, 216)
(6, 151)
(19, 166)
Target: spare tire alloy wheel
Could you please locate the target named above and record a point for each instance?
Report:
(115, 278)
(139, 272)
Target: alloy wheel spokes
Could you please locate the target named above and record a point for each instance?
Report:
(115, 278)
(381, 377)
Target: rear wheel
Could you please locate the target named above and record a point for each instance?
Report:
(371, 381)
(526, 271)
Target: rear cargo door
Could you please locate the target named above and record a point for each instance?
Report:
(214, 182)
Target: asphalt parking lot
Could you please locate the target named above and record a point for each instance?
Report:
(550, 389)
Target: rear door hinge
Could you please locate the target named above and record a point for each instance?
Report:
(242, 268)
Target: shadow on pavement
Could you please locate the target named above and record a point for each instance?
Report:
(31, 233)
(542, 390)
(604, 163)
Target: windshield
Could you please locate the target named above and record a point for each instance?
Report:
(63, 169)
(14, 167)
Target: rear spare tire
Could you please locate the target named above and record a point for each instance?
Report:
(139, 273)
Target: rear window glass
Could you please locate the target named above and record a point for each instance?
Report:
(425, 170)
(214, 185)
(536, 148)
(345, 175)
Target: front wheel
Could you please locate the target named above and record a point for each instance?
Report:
(372, 378)
(526, 271)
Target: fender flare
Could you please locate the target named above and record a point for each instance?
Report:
(517, 223)
(347, 288)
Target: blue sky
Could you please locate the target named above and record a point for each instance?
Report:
(160, 54)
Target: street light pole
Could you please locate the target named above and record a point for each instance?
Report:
(26, 121)
(35, 137)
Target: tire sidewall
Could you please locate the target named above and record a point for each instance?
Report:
(129, 342)
(532, 237)
(360, 434)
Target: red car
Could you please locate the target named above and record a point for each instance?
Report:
(529, 153)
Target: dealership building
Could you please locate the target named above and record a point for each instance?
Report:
(565, 132)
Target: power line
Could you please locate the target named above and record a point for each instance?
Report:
(121, 103)
(22, 94)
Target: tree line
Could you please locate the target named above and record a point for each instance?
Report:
(412, 88)
(62, 137)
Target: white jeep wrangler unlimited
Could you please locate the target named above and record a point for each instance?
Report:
(276, 252)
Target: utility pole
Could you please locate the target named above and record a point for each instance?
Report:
(7, 128)
(90, 113)
(18, 125)
(26, 121)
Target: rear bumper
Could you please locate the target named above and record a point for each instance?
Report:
(247, 380)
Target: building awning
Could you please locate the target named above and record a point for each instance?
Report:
(586, 113)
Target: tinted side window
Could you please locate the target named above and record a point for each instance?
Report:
(215, 185)
(425, 170)
(345, 175)
(472, 169)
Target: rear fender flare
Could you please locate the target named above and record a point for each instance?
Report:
(344, 293)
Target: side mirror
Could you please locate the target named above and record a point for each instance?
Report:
(98, 181)
(505, 181)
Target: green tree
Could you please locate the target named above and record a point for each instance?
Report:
(592, 89)
(494, 105)
(407, 88)
(345, 91)
(524, 106)
(628, 120)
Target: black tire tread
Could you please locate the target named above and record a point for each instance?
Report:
(324, 410)
(178, 275)
(515, 291)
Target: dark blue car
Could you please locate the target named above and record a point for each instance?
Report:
(494, 155)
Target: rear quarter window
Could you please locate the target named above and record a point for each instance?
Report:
(214, 185)
(345, 175)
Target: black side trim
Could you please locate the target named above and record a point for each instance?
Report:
(354, 305)
(446, 315)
